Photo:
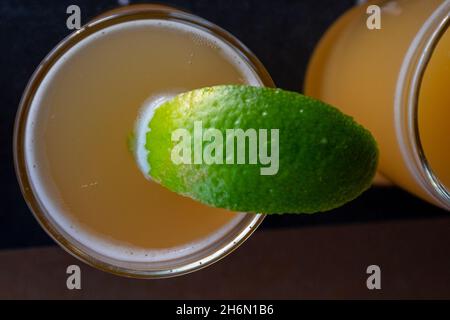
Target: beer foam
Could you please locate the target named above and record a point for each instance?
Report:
(46, 191)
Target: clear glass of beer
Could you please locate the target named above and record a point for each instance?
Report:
(76, 170)
(394, 80)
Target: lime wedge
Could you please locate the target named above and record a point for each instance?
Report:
(254, 149)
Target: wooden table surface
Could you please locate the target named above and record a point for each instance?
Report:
(314, 262)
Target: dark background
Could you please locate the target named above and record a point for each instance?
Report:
(281, 33)
(318, 256)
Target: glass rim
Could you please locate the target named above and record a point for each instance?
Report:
(406, 108)
(109, 18)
